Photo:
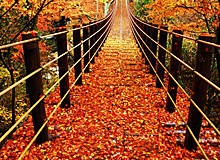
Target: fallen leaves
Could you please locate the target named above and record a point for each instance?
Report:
(118, 114)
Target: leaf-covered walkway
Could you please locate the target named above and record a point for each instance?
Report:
(118, 112)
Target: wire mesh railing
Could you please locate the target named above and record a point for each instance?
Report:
(33, 79)
(146, 34)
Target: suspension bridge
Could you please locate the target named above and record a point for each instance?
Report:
(118, 100)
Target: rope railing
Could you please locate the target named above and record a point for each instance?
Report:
(44, 66)
(106, 27)
(140, 41)
(177, 34)
(53, 34)
(189, 67)
(34, 138)
(189, 97)
(177, 58)
(135, 31)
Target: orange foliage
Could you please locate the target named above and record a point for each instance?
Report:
(190, 15)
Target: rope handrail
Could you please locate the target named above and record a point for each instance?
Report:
(182, 88)
(96, 22)
(204, 78)
(34, 138)
(53, 34)
(177, 34)
(181, 61)
(38, 70)
(166, 89)
(43, 96)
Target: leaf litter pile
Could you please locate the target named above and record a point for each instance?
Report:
(118, 112)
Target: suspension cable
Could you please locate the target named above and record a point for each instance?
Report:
(53, 34)
(197, 107)
(165, 88)
(177, 34)
(39, 131)
(38, 70)
(43, 96)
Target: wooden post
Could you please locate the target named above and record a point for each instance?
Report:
(99, 35)
(77, 55)
(174, 69)
(154, 49)
(92, 51)
(145, 39)
(34, 85)
(203, 65)
(139, 33)
(90, 40)
(86, 47)
(96, 38)
(63, 68)
(161, 56)
(142, 36)
(149, 43)
(103, 30)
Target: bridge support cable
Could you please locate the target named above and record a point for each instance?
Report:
(49, 36)
(188, 128)
(184, 36)
(193, 70)
(109, 17)
(135, 31)
(74, 83)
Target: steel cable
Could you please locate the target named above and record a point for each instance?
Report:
(167, 91)
(177, 34)
(197, 107)
(38, 70)
(34, 138)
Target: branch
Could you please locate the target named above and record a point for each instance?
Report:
(206, 20)
(48, 3)
(88, 15)
(5, 64)
(6, 31)
(16, 1)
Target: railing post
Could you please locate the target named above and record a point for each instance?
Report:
(96, 38)
(34, 85)
(145, 39)
(174, 69)
(63, 68)
(161, 56)
(200, 86)
(99, 35)
(142, 36)
(149, 43)
(86, 47)
(103, 30)
(154, 49)
(77, 55)
(92, 41)
(139, 33)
